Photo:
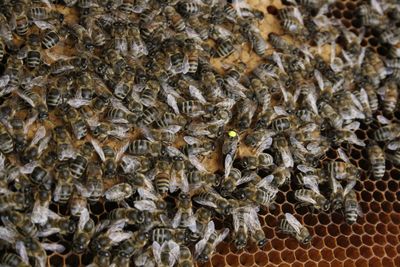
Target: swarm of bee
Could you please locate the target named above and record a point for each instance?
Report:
(134, 108)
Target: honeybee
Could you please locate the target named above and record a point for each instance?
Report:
(64, 186)
(113, 236)
(50, 38)
(58, 224)
(390, 95)
(290, 225)
(185, 257)
(253, 34)
(206, 246)
(377, 159)
(14, 201)
(6, 141)
(42, 13)
(208, 197)
(281, 145)
(94, 182)
(21, 20)
(387, 132)
(281, 44)
(352, 208)
(198, 178)
(119, 192)
(262, 193)
(313, 196)
(129, 215)
(134, 244)
(32, 51)
(11, 259)
(20, 223)
(137, 46)
(175, 19)
(260, 161)
(85, 230)
(234, 179)
(143, 147)
(165, 254)
(40, 207)
(229, 148)
(198, 26)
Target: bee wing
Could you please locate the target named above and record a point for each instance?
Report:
(311, 183)
(171, 101)
(280, 111)
(26, 98)
(228, 164)
(336, 186)
(205, 202)
(191, 140)
(266, 181)
(98, 149)
(174, 152)
(377, 6)
(7, 234)
(145, 204)
(49, 231)
(320, 79)
(354, 139)
(236, 218)
(361, 56)
(39, 213)
(307, 199)
(40, 133)
(199, 247)
(196, 93)
(146, 194)
(342, 155)
(174, 252)
(83, 219)
(28, 168)
(157, 252)
(121, 151)
(53, 247)
(43, 25)
(78, 102)
(21, 250)
(119, 236)
(221, 237)
(4, 79)
(252, 220)
(393, 145)
(227, 103)
(196, 163)
(383, 120)
(247, 178)
(293, 222)
(297, 14)
(43, 144)
(277, 59)
(287, 158)
(349, 187)
(264, 144)
(177, 219)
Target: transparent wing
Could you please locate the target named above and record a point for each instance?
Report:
(197, 164)
(293, 222)
(171, 101)
(383, 120)
(306, 198)
(83, 219)
(121, 151)
(342, 155)
(350, 185)
(191, 140)
(157, 252)
(21, 250)
(195, 93)
(320, 79)
(53, 247)
(98, 149)
(311, 183)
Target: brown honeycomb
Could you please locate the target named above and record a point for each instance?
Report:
(374, 240)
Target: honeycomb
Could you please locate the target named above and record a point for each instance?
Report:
(374, 240)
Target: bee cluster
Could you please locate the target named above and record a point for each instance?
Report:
(143, 105)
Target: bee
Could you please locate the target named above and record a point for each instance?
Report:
(63, 66)
(77, 204)
(137, 46)
(21, 20)
(21, 223)
(165, 254)
(78, 165)
(352, 208)
(290, 225)
(262, 193)
(206, 246)
(234, 179)
(57, 224)
(119, 192)
(103, 258)
(161, 235)
(94, 182)
(387, 132)
(229, 148)
(11, 259)
(50, 38)
(129, 215)
(40, 207)
(208, 197)
(195, 146)
(42, 13)
(224, 48)
(186, 8)
(63, 141)
(390, 96)
(85, 231)
(259, 139)
(198, 26)
(109, 158)
(311, 196)
(327, 112)
(32, 51)
(377, 159)
(245, 113)
(36, 101)
(113, 236)
(185, 257)
(260, 161)
(175, 19)
(64, 186)
(14, 201)
(143, 147)
(6, 141)
(257, 42)
(281, 44)
(198, 178)
(281, 145)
